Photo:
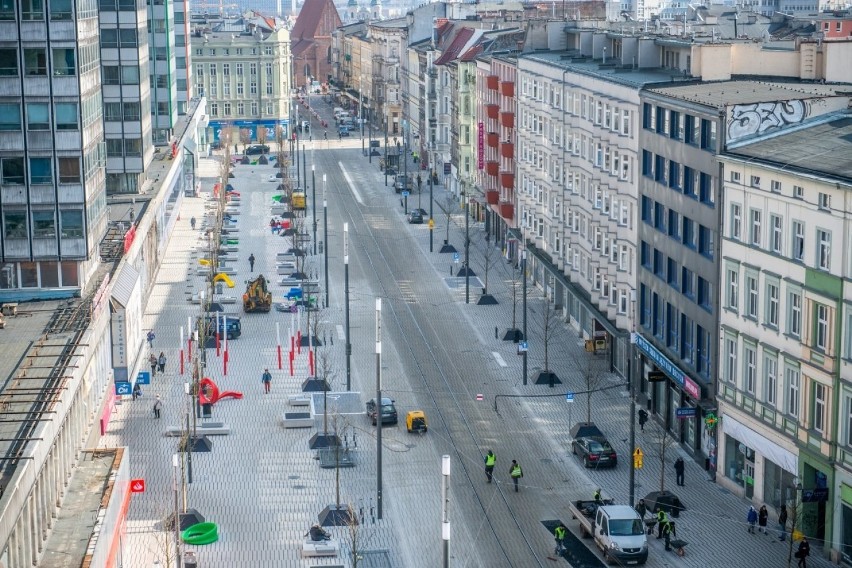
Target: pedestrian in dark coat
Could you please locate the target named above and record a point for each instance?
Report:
(266, 379)
(782, 523)
(161, 362)
(251, 262)
(150, 338)
(803, 552)
(152, 360)
(751, 517)
(641, 508)
(762, 518)
(158, 406)
(679, 465)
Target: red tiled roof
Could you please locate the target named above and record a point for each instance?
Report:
(311, 16)
(472, 53)
(455, 46)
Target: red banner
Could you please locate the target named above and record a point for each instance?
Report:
(137, 486)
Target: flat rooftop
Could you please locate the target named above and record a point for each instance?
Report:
(573, 61)
(824, 148)
(740, 92)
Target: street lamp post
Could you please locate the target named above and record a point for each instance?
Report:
(378, 409)
(386, 152)
(524, 279)
(325, 234)
(466, 198)
(314, 203)
(361, 110)
(175, 461)
(346, 301)
(431, 222)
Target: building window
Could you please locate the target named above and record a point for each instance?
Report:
(35, 62)
(69, 170)
(38, 116)
(798, 192)
(823, 249)
(226, 109)
(41, 171)
(214, 109)
(755, 181)
(72, 224)
(705, 241)
(66, 116)
(32, 10)
(755, 227)
(733, 289)
(798, 241)
(750, 368)
(772, 304)
(794, 314)
(128, 38)
(776, 239)
(770, 371)
(752, 299)
(704, 294)
(775, 186)
(44, 225)
(848, 421)
(64, 62)
(824, 201)
(10, 117)
(114, 147)
(736, 221)
(13, 171)
(731, 360)
(792, 378)
(820, 394)
(15, 225)
(821, 338)
(8, 63)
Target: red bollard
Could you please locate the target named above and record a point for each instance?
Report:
(217, 343)
(225, 363)
(189, 349)
(279, 357)
(181, 361)
(311, 361)
(292, 344)
(299, 342)
(291, 364)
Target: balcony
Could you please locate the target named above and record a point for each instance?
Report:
(492, 82)
(492, 196)
(507, 150)
(507, 119)
(507, 180)
(493, 111)
(507, 210)
(493, 139)
(507, 88)
(492, 168)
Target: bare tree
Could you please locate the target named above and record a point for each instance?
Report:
(549, 326)
(449, 205)
(164, 540)
(794, 519)
(245, 136)
(593, 378)
(235, 137)
(261, 135)
(662, 442)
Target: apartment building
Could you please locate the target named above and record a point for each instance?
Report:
(163, 67)
(127, 91)
(53, 195)
(389, 42)
(785, 379)
(243, 68)
(183, 55)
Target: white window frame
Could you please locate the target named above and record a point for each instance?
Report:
(823, 259)
(749, 368)
(820, 407)
(731, 360)
(733, 289)
(736, 221)
(792, 381)
(776, 240)
(770, 374)
(755, 230)
(822, 313)
(773, 301)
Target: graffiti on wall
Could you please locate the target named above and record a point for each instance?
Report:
(761, 118)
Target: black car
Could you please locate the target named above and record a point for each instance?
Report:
(423, 212)
(389, 415)
(257, 149)
(595, 452)
(415, 218)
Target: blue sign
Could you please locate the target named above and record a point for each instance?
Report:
(664, 364)
(687, 412)
(522, 347)
(569, 396)
(405, 193)
(456, 257)
(123, 389)
(143, 378)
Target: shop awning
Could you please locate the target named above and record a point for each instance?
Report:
(772, 451)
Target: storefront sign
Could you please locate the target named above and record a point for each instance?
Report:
(119, 345)
(686, 412)
(663, 363)
(480, 159)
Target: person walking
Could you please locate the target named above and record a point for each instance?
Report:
(597, 496)
(803, 552)
(516, 473)
(669, 531)
(490, 461)
(642, 509)
(662, 519)
(266, 378)
(762, 518)
(782, 523)
(751, 517)
(559, 533)
(152, 359)
(192, 223)
(678, 466)
(251, 262)
(158, 407)
(161, 363)
(150, 338)
(643, 418)
(137, 391)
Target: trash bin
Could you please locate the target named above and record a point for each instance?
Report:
(189, 560)
(219, 288)
(206, 410)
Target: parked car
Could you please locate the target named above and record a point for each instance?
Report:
(415, 218)
(389, 415)
(257, 149)
(400, 183)
(595, 452)
(343, 131)
(216, 145)
(423, 212)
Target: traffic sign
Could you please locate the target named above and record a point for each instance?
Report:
(456, 257)
(569, 397)
(123, 388)
(143, 378)
(137, 486)
(637, 458)
(406, 193)
(686, 412)
(522, 347)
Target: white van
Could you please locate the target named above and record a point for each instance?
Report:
(336, 111)
(620, 533)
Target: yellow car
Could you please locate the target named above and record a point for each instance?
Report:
(415, 421)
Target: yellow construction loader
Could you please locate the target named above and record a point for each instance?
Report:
(257, 297)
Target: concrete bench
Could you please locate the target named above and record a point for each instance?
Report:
(312, 549)
(297, 420)
(226, 299)
(303, 399)
(203, 429)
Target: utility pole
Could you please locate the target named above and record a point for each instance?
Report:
(431, 221)
(379, 408)
(314, 202)
(445, 506)
(177, 510)
(524, 279)
(304, 167)
(630, 377)
(325, 235)
(466, 245)
(346, 301)
(386, 154)
(361, 111)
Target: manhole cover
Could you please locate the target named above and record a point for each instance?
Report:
(292, 477)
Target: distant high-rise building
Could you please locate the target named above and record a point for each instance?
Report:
(52, 193)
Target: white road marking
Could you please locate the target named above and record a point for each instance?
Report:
(499, 359)
(351, 184)
(341, 335)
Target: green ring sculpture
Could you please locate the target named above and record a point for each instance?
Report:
(202, 533)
